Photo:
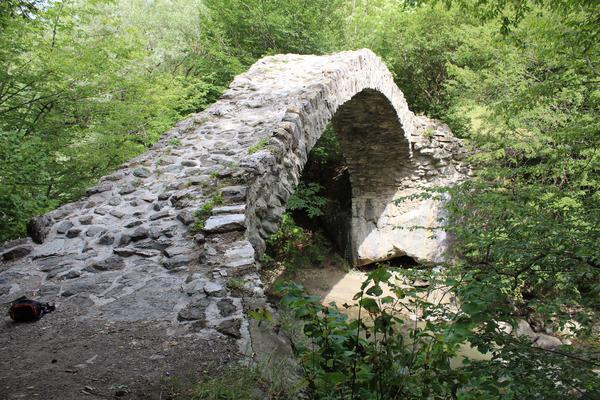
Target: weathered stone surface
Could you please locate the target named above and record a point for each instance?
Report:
(186, 217)
(225, 223)
(231, 327)
(108, 264)
(142, 172)
(233, 209)
(239, 254)
(140, 233)
(73, 233)
(524, 329)
(72, 275)
(194, 311)
(103, 187)
(538, 339)
(127, 189)
(123, 240)
(199, 238)
(38, 228)
(164, 196)
(226, 307)
(76, 288)
(106, 239)
(128, 252)
(175, 251)
(16, 253)
(194, 287)
(94, 230)
(177, 261)
(52, 262)
(159, 215)
(57, 247)
(64, 226)
(214, 289)
(100, 211)
(546, 342)
(114, 201)
(159, 244)
(86, 220)
(234, 193)
(117, 213)
(133, 224)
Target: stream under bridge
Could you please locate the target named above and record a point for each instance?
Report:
(143, 288)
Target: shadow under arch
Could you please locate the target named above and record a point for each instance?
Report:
(377, 154)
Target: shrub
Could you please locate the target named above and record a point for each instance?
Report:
(295, 246)
(306, 198)
(383, 355)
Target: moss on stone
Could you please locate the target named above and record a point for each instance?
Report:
(260, 145)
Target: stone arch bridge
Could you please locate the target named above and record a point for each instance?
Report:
(139, 281)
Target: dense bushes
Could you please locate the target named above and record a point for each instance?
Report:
(386, 353)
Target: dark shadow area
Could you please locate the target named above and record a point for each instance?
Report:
(327, 167)
(358, 164)
(396, 262)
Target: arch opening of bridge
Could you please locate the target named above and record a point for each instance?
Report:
(387, 156)
(363, 180)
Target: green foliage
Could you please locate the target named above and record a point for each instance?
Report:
(236, 283)
(380, 355)
(528, 226)
(85, 86)
(523, 90)
(327, 150)
(232, 383)
(80, 93)
(254, 28)
(295, 246)
(260, 145)
(306, 198)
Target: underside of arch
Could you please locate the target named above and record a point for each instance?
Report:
(378, 155)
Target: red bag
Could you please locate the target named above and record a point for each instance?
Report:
(25, 310)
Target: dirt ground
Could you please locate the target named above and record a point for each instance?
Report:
(64, 358)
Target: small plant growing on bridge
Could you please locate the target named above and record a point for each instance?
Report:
(236, 284)
(205, 211)
(429, 133)
(175, 142)
(261, 144)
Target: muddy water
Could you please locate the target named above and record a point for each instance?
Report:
(335, 285)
